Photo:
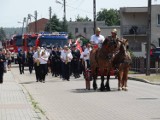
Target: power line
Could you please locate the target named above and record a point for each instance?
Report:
(79, 9)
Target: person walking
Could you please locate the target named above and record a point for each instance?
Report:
(2, 60)
(43, 64)
(66, 57)
(21, 61)
(30, 60)
(75, 61)
(8, 58)
(86, 55)
(36, 55)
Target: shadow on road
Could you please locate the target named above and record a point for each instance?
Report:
(91, 90)
(30, 82)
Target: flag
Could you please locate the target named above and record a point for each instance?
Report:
(78, 45)
(37, 43)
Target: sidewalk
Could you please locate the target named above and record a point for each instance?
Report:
(14, 103)
(135, 77)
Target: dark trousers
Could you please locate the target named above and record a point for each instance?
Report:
(66, 70)
(30, 65)
(1, 76)
(37, 71)
(75, 67)
(43, 71)
(88, 63)
(21, 68)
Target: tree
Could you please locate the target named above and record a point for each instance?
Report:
(111, 17)
(70, 36)
(2, 34)
(55, 24)
(81, 19)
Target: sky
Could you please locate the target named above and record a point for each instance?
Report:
(13, 11)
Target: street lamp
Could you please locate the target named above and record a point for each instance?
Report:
(24, 20)
(94, 14)
(35, 17)
(64, 4)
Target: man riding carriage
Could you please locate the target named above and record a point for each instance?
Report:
(102, 56)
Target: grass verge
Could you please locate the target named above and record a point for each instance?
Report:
(35, 104)
(151, 78)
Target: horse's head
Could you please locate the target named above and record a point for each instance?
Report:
(110, 44)
(124, 45)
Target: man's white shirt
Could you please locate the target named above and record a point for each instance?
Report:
(97, 39)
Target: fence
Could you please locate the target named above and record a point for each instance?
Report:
(139, 65)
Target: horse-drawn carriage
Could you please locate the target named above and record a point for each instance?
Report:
(111, 59)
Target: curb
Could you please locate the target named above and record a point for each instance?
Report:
(143, 80)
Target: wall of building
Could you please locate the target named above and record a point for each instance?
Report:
(155, 28)
(134, 18)
(105, 30)
(41, 23)
(139, 17)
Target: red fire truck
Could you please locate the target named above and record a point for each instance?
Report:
(20, 42)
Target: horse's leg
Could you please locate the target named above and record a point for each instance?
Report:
(94, 80)
(107, 82)
(102, 88)
(125, 80)
(120, 76)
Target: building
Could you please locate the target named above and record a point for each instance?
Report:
(134, 26)
(38, 26)
(86, 28)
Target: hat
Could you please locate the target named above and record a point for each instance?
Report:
(65, 46)
(114, 31)
(48, 46)
(74, 45)
(53, 46)
(98, 29)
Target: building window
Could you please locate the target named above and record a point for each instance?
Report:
(159, 41)
(76, 30)
(158, 19)
(84, 30)
(135, 46)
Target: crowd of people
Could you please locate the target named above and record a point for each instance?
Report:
(60, 62)
(6, 58)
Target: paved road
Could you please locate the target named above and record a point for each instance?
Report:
(67, 100)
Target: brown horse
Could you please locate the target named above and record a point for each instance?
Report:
(101, 62)
(122, 62)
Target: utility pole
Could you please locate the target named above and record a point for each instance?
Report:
(64, 14)
(94, 15)
(64, 18)
(50, 15)
(24, 20)
(149, 39)
(27, 27)
(35, 16)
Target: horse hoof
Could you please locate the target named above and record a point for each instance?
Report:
(95, 88)
(119, 89)
(108, 89)
(125, 89)
(101, 89)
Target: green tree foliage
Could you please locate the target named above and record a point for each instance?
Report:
(111, 16)
(55, 24)
(64, 26)
(81, 19)
(70, 36)
(2, 34)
